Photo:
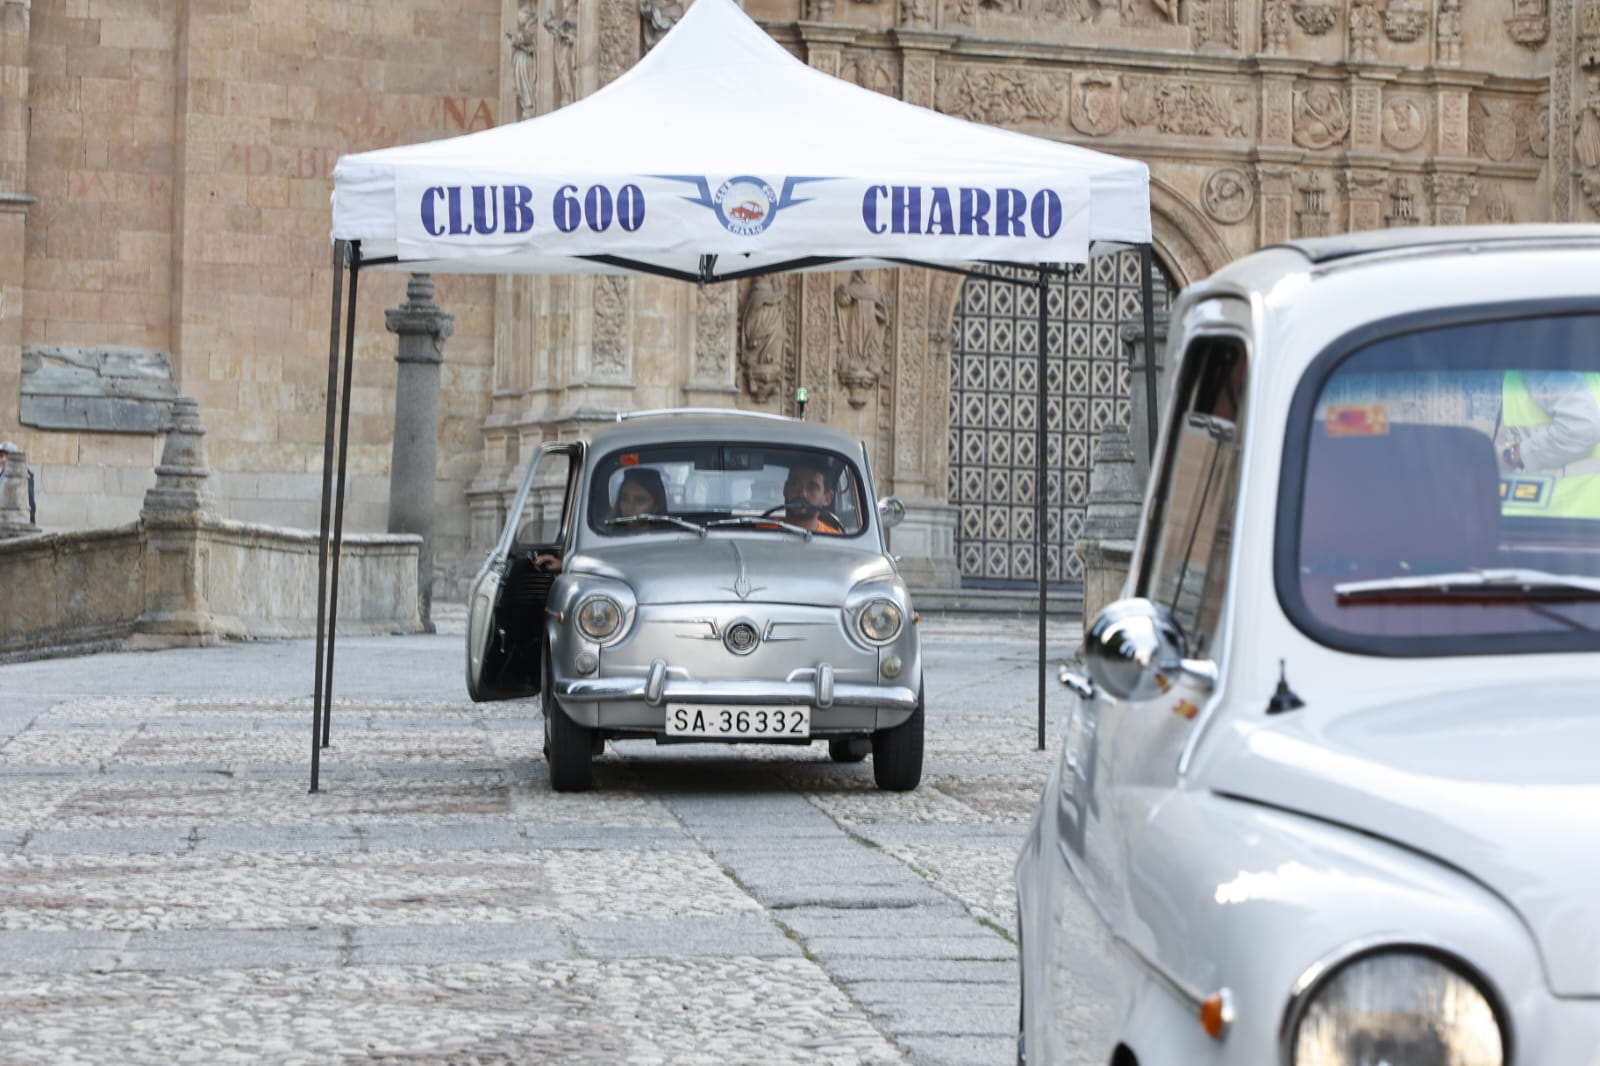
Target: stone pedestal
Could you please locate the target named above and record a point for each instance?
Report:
(422, 329)
(176, 612)
(925, 543)
(16, 493)
(1110, 523)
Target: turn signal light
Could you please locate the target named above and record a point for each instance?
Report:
(1216, 1013)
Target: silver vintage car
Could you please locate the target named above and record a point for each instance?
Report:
(1329, 787)
(702, 576)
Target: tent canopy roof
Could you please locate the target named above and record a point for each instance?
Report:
(719, 143)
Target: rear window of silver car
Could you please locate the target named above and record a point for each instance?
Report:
(1442, 487)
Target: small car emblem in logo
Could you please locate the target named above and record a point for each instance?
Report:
(741, 638)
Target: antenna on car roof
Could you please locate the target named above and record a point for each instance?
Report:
(800, 398)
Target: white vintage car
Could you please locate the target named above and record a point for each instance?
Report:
(1329, 788)
(702, 576)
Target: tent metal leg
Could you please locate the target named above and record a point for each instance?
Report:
(337, 287)
(1041, 478)
(338, 499)
(1148, 295)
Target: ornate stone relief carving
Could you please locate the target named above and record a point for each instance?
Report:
(619, 38)
(869, 71)
(764, 340)
(1497, 206)
(1537, 125)
(1315, 17)
(1498, 129)
(1214, 22)
(1185, 107)
(916, 14)
(525, 58)
(816, 10)
(1312, 217)
(1405, 123)
(1589, 35)
(713, 335)
(610, 327)
(1321, 118)
(1403, 204)
(656, 17)
(1001, 97)
(1586, 143)
(1275, 19)
(863, 320)
(1447, 50)
(1451, 193)
(1228, 195)
(1405, 20)
(1529, 23)
(1365, 25)
(1096, 104)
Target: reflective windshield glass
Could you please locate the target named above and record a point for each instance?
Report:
(667, 487)
(1451, 489)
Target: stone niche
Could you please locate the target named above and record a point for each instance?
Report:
(111, 390)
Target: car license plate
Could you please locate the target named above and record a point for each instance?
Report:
(721, 721)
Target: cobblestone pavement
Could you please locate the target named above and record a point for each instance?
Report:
(170, 891)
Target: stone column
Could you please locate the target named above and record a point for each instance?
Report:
(174, 518)
(1138, 429)
(16, 514)
(422, 329)
(1110, 522)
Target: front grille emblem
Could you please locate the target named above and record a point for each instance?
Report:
(741, 638)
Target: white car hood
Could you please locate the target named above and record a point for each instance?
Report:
(1501, 782)
(764, 568)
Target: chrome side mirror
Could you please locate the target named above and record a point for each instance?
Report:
(1136, 651)
(891, 512)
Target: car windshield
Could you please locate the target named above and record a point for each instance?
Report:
(725, 485)
(1450, 494)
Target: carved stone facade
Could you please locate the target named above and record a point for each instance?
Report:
(202, 232)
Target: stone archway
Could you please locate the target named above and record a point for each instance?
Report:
(992, 401)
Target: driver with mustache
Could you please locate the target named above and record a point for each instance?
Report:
(806, 496)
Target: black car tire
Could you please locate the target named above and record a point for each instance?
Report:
(569, 747)
(846, 750)
(897, 753)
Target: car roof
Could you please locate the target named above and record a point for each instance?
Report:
(687, 424)
(1370, 242)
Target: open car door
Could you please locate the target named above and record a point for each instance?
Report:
(506, 607)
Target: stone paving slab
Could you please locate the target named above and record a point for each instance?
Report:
(171, 891)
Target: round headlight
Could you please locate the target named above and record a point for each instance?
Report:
(880, 621)
(599, 617)
(1399, 1007)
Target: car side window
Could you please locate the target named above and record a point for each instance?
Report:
(541, 520)
(1190, 538)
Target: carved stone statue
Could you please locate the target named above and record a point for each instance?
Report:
(863, 316)
(564, 28)
(525, 57)
(658, 17)
(763, 338)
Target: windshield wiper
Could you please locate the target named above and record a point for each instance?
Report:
(1492, 585)
(641, 519)
(752, 520)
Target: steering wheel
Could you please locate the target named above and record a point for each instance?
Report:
(821, 512)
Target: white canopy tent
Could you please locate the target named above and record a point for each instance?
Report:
(718, 156)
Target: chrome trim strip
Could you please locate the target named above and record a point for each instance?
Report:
(773, 693)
